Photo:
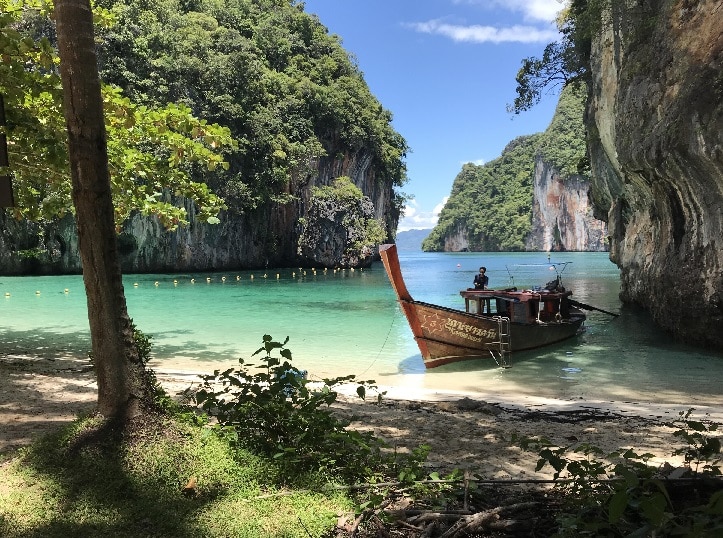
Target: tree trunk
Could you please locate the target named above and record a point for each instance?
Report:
(117, 364)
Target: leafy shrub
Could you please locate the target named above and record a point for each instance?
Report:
(272, 409)
(624, 496)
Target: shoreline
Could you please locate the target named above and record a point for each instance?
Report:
(643, 409)
(465, 430)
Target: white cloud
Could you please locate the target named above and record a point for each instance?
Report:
(416, 219)
(539, 16)
(438, 208)
(540, 10)
(536, 10)
(487, 34)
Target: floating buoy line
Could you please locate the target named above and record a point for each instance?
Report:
(300, 275)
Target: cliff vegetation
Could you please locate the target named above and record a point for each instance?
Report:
(490, 207)
(273, 100)
(286, 89)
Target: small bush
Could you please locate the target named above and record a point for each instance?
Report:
(273, 410)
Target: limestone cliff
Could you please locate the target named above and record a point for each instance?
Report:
(655, 119)
(266, 237)
(533, 197)
(562, 217)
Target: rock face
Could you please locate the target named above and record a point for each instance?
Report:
(562, 217)
(266, 237)
(655, 121)
(457, 241)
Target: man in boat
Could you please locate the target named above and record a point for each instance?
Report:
(480, 283)
(481, 279)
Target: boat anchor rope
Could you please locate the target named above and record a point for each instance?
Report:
(588, 307)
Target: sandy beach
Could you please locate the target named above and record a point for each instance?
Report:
(469, 431)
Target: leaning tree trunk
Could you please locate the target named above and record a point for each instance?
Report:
(115, 354)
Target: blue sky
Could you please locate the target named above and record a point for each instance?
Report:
(446, 70)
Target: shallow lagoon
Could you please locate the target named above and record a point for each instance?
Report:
(348, 322)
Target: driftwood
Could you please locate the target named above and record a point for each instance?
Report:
(488, 520)
(430, 523)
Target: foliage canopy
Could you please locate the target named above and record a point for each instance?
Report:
(277, 92)
(286, 89)
(151, 149)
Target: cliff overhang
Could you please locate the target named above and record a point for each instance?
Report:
(655, 127)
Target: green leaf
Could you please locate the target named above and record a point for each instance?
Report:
(696, 426)
(653, 508)
(617, 505)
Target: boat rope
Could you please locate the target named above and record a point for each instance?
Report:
(386, 339)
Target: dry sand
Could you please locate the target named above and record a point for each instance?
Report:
(466, 431)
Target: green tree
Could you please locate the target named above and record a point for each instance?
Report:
(152, 150)
(563, 63)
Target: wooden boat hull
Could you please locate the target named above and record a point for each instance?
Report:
(446, 335)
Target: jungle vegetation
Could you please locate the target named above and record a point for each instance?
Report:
(265, 69)
(150, 148)
(230, 104)
(492, 203)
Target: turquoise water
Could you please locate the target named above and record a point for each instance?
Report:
(348, 322)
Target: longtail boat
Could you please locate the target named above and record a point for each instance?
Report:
(493, 324)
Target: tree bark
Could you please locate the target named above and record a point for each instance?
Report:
(117, 364)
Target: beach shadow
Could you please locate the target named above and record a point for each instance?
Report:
(39, 394)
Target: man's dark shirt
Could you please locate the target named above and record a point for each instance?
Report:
(480, 281)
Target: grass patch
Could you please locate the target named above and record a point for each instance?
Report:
(131, 484)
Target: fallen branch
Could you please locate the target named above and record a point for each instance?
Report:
(486, 520)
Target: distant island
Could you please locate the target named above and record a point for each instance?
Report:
(412, 239)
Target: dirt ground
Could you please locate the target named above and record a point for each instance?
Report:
(38, 394)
